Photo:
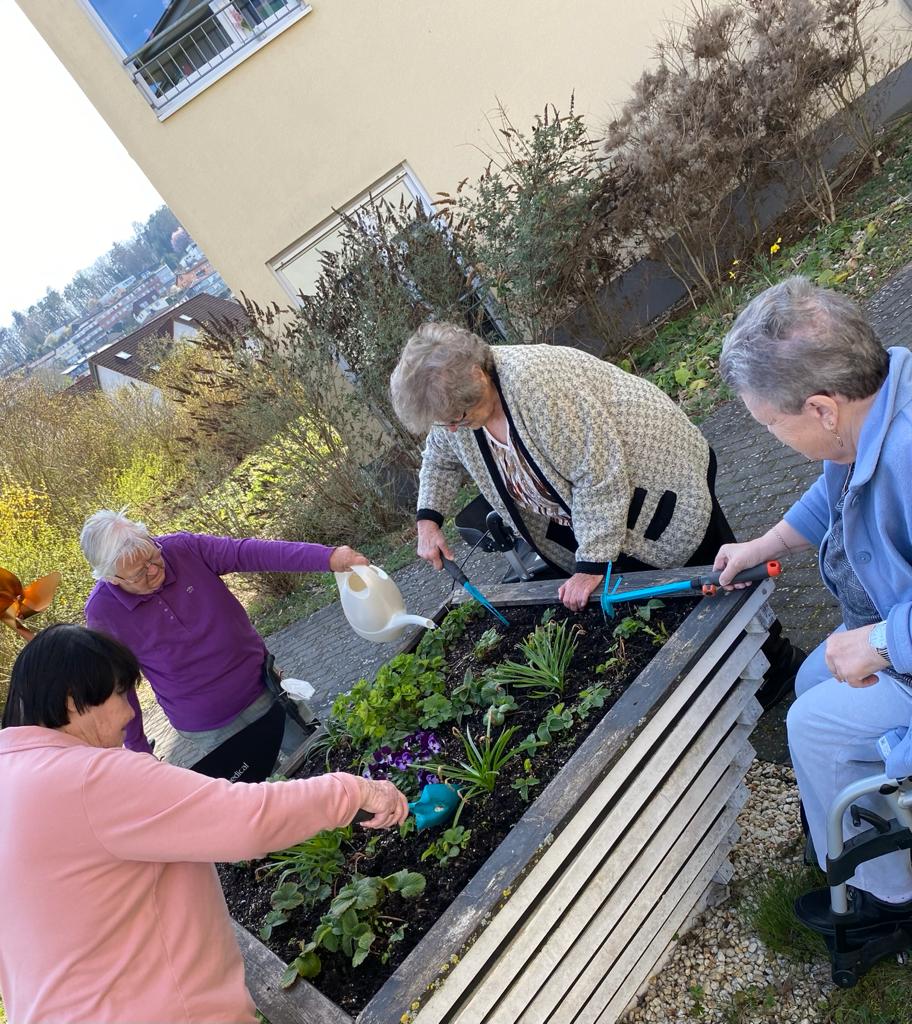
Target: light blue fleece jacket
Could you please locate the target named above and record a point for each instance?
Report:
(877, 518)
(877, 514)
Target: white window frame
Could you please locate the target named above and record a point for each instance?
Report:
(403, 174)
(164, 108)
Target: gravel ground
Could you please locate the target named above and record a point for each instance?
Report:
(721, 973)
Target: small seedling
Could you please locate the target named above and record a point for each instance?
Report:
(449, 845)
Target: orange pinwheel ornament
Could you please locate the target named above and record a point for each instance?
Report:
(18, 602)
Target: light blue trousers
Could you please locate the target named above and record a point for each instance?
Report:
(832, 732)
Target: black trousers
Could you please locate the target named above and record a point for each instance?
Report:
(778, 650)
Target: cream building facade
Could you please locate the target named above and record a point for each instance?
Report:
(257, 119)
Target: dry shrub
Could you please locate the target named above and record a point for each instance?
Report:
(742, 97)
(534, 225)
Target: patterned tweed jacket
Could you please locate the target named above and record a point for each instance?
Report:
(617, 454)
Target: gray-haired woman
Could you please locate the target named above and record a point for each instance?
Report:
(592, 465)
(588, 462)
(809, 368)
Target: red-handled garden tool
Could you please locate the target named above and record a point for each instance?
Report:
(707, 584)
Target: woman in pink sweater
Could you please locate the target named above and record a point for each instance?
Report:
(112, 910)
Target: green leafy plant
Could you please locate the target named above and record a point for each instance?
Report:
(354, 922)
(449, 845)
(486, 644)
(385, 711)
(590, 699)
(435, 642)
(318, 859)
(435, 710)
(558, 719)
(548, 652)
(525, 783)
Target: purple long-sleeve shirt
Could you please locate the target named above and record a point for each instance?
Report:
(192, 638)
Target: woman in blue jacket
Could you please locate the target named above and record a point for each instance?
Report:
(808, 366)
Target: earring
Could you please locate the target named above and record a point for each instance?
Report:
(839, 440)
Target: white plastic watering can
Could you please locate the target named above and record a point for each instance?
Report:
(373, 604)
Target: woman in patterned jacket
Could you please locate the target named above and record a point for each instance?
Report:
(590, 464)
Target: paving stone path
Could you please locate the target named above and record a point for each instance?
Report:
(758, 480)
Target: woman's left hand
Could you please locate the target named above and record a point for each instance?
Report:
(576, 591)
(343, 558)
(852, 659)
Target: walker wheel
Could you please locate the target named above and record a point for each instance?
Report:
(844, 978)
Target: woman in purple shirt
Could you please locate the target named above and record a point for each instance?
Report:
(164, 598)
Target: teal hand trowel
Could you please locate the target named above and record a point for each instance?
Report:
(460, 577)
(436, 804)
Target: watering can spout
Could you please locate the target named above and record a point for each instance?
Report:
(404, 619)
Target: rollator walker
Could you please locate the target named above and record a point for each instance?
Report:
(854, 951)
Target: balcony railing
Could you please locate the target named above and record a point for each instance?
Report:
(200, 41)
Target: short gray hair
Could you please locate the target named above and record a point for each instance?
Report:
(109, 536)
(433, 380)
(795, 340)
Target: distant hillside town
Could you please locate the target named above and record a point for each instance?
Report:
(102, 304)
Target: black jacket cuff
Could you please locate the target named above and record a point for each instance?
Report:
(429, 513)
(593, 568)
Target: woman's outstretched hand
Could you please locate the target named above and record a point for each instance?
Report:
(432, 543)
(344, 557)
(385, 801)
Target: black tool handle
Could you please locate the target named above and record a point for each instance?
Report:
(710, 582)
(362, 815)
(453, 569)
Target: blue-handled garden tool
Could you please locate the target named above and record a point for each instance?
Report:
(707, 585)
(435, 805)
(460, 577)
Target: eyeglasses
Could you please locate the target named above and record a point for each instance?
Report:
(157, 560)
(454, 423)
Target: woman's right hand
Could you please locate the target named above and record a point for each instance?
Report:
(385, 801)
(432, 543)
(734, 558)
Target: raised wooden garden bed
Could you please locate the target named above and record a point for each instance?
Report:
(570, 915)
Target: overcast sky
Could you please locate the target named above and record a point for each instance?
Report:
(68, 189)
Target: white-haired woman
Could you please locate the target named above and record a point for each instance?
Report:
(592, 465)
(164, 598)
(809, 368)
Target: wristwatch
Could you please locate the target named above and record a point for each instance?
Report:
(877, 638)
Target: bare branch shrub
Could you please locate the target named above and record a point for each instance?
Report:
(534, 222)
(740, 97)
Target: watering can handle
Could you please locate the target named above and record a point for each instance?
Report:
(366, 572)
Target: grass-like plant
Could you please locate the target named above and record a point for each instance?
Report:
(548, 652)
(484, 761)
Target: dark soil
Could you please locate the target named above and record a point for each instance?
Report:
(489, 819)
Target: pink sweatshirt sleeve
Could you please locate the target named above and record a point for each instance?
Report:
(146, 810)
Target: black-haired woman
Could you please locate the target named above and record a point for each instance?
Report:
(112, 910)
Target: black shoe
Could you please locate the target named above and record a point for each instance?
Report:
(866, 912)
(779, 681)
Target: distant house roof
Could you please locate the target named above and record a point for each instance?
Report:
(83, 385)
(125, 356)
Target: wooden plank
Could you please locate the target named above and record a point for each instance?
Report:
(615, 1008)
(300, 1004)
(544, 592)
(615, 973)
(549, 928)
(694, 652)
(603, 905)
(714, 895)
